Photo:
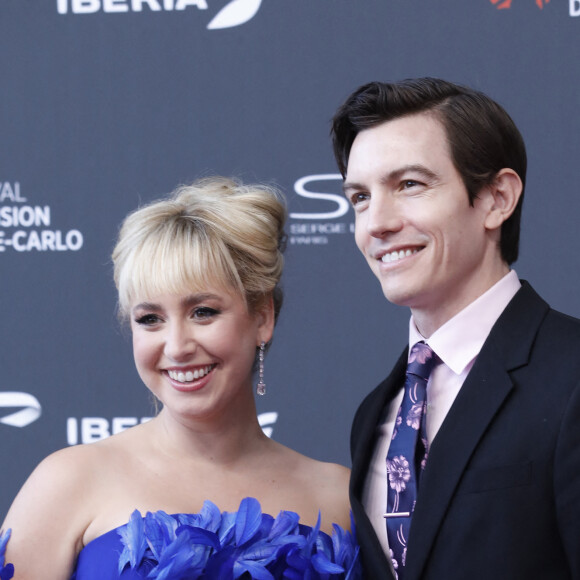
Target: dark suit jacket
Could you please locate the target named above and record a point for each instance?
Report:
(500, 495)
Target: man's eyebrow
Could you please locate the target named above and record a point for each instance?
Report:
(348, 186)
(414, 168)
(391, 176)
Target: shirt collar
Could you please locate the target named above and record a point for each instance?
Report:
(460, 339)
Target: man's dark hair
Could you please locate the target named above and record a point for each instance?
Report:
(483, 138)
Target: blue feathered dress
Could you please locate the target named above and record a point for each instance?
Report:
(245, 545)
(6, 570)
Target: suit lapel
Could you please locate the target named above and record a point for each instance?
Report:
(480, 398)
(363, 441)
(365, 428)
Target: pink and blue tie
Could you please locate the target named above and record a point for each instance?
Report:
(408, 453)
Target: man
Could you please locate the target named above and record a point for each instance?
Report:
(435, 173)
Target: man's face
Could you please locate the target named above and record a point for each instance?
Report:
(428, 247)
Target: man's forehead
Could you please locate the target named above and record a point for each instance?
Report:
(412, 141)
(418, 126)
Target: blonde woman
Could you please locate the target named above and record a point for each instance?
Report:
(197, 276)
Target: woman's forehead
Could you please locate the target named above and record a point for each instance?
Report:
(184, 290)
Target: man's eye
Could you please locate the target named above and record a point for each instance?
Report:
(358, 197)
(147, 319)
(408, 183)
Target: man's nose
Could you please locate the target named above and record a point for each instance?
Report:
(383, 216)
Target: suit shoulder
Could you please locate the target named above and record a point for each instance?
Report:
(564, 323)
(559, 334)
(528, 305)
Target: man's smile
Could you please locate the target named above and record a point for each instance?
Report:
(396, 255)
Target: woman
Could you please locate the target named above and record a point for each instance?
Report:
(197, 276)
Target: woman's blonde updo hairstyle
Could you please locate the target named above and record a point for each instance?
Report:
(215, 232)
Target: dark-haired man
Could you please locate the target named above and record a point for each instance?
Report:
(466, 459)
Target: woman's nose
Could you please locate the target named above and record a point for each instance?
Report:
(180, 343)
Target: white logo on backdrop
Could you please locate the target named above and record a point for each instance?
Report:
(315, 227)
(339, 200)
(235, 13)
(267, 422)
(28, 408)
(91, 429)
(31, 225)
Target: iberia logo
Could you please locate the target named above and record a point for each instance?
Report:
(501, 4)
(234, 13)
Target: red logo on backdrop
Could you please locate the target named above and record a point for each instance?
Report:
(501, 4)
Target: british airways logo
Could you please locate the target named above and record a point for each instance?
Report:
(20, 409)
(234, 13)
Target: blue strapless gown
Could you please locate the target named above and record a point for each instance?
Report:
(245, 544)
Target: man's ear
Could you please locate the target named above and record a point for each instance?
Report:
(266, 319)
(505, 192)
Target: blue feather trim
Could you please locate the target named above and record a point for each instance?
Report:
(246, 544)
(6, 570)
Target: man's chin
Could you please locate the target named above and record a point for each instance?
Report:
(397, 296)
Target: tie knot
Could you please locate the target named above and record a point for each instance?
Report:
(422, 360)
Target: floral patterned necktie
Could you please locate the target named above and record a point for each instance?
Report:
(407, 453)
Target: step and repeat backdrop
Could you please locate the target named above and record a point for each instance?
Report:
(107, 104)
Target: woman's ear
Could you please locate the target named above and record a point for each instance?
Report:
(505, 191)
(266, 319)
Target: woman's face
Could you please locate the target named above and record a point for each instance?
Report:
(195, 352)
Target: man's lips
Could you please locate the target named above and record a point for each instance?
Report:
(396, 255)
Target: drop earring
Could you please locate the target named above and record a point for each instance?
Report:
(261, 386)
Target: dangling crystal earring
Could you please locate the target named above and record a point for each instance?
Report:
(261, 386)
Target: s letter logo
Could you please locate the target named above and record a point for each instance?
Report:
(339, 200)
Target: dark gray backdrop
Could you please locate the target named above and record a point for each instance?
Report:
(105, 104)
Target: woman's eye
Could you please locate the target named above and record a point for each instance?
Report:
(147, 319)
(204, 313)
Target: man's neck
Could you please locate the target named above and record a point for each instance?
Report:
(428, 320)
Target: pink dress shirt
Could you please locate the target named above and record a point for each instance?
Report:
(457, 343)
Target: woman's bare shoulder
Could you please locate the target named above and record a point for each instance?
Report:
(50, 513)
(59, 501)
(314, 469)
(330, 479)
(60, 471)
(56, 482)
(323, 487)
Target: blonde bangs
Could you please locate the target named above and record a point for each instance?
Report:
(215, 233)
(177, 260)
